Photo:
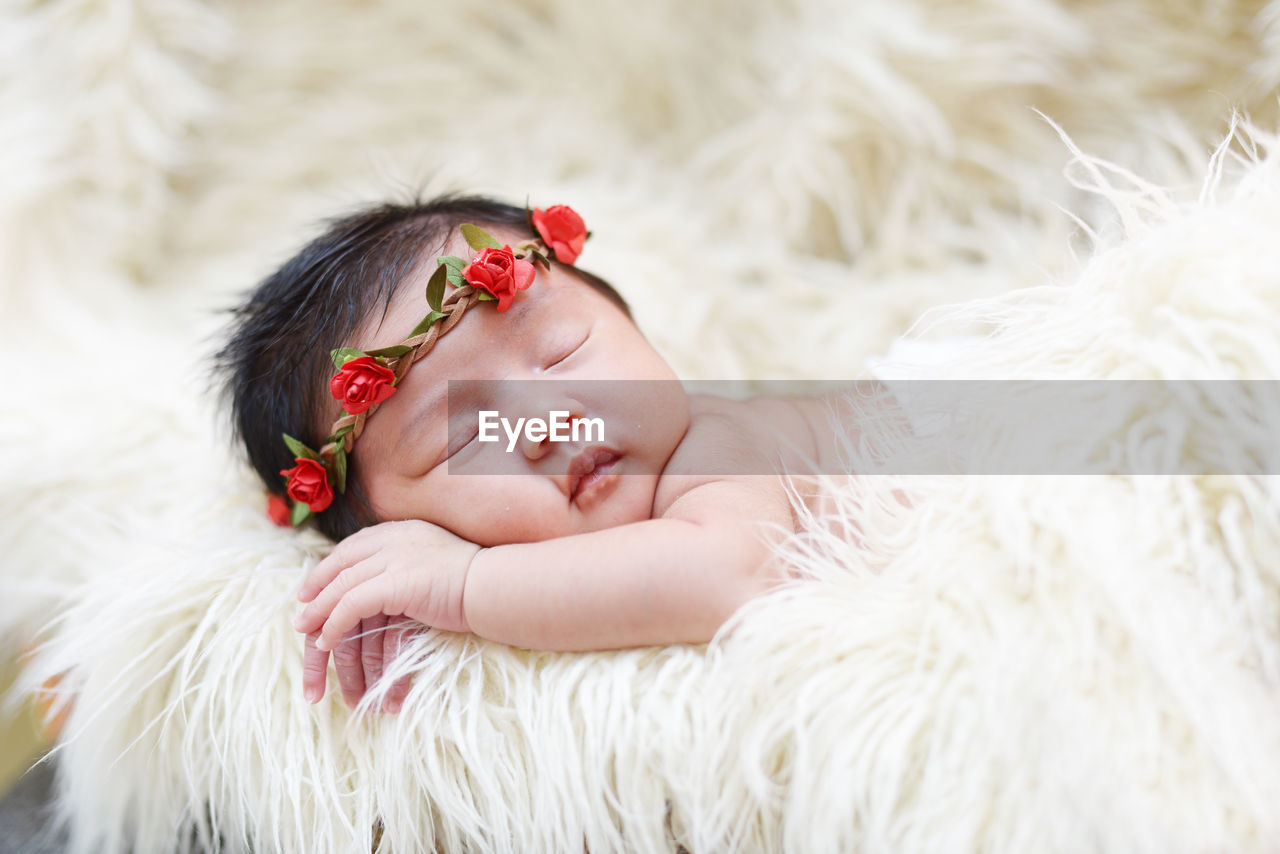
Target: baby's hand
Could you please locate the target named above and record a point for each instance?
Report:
(410, 568)
(359, 660)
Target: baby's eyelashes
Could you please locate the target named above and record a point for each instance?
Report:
(563, 354)
(463, 426)
(460, 441)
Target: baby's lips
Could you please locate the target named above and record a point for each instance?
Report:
(585, 463)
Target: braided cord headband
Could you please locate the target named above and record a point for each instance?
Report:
(366, 379)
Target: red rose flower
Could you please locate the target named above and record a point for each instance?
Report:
(563, 231)
(361, 383)
(278, 510)
(309, 484)
(499, 272)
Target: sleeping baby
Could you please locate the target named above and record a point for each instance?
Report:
(535, 473)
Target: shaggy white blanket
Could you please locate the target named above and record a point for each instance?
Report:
(1008, 664)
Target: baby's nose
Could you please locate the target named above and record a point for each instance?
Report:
(551, 426)
(530, 445)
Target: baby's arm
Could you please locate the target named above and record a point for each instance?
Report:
(670, 580)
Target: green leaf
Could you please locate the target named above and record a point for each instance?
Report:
(477, 238)
(299, 514)
(426, 322)
(453, 262)
(345, 354)
(340, 469)
(486, 296)
(435, 287)
(391, 352)
(455, 278)
(298, 449)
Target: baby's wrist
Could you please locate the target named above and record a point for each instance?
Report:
(464, 601)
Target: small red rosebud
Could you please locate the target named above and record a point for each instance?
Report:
(361, 383)
(562, 230)
(278, 510)
(500, 273)
(309, 484)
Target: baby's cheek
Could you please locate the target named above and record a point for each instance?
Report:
(510, 527)
(510, 512)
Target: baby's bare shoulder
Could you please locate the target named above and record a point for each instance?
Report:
(774, 432)
(752, 441)
(728, 448)
(725, 437)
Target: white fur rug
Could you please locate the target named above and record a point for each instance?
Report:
(1011, 664)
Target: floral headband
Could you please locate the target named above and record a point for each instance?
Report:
(366, 379)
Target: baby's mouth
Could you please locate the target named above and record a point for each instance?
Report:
(588, 469)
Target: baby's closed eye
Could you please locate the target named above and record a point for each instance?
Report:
(464, 423)
(463, 437)
(565, 349)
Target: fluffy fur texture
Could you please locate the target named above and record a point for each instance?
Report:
(1006, 664)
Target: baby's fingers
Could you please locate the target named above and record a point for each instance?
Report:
(350, 551)
(394, 643)
(362, 601)
(315, 670)
(373, 654)
(317, 611)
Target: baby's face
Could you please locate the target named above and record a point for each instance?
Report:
(561, 330)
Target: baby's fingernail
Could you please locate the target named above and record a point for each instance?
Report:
(393, 706)
(313, 695)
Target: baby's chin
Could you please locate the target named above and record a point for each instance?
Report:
(630, 500)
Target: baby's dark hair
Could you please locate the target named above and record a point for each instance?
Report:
(275, 365)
